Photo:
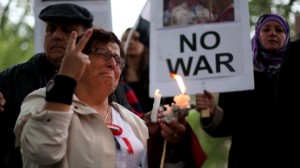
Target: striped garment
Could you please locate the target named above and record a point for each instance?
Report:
(132, 99)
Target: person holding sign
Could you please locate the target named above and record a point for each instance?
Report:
(249, 116)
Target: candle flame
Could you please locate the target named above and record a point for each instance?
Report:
(156, 92)
(180, 82)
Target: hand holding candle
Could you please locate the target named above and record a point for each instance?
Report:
(156, 103)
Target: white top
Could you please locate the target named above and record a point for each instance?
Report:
(125, 159)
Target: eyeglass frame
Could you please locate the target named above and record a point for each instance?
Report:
(107, 55)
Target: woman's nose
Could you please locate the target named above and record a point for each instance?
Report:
(273, 31)
(112, 63)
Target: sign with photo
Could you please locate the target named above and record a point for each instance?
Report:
(207, 43)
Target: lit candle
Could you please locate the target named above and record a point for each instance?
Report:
(156, 103)
(182, 100)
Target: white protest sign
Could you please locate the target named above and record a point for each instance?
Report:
(209, 53)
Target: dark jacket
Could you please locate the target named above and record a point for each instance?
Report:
(248, 118)
(16, 83)
(288, 91)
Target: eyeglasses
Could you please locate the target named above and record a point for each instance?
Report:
(106, 55)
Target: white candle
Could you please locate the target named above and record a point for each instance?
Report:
(182, 101)
(156, 103)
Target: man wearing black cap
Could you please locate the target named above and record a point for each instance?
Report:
(18, 81)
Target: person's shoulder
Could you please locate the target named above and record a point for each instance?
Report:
(296, 41)
(39, 93)
(34, 99)
(20, 67)
(293, 49)
(9, 71)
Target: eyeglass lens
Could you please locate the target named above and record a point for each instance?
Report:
(106, 55)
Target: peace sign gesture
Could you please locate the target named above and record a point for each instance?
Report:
(74, 62)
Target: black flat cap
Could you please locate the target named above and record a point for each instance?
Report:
(66, 12)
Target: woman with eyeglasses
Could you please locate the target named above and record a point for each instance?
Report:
(249, 117)
(73, 122)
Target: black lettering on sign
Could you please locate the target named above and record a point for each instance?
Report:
(213, 46)
(201, 64)
(179, 63)
(202, 59)
(192, 44)
(225, 62)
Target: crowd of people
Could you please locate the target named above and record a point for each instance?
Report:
(84, 102)
(74, 108)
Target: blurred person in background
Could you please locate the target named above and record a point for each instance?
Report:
(136, 71)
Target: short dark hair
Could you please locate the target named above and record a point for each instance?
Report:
(102, 36)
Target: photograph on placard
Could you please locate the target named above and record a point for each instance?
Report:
(191, 12)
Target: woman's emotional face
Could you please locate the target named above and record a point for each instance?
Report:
(104, 70)
(272, 36)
